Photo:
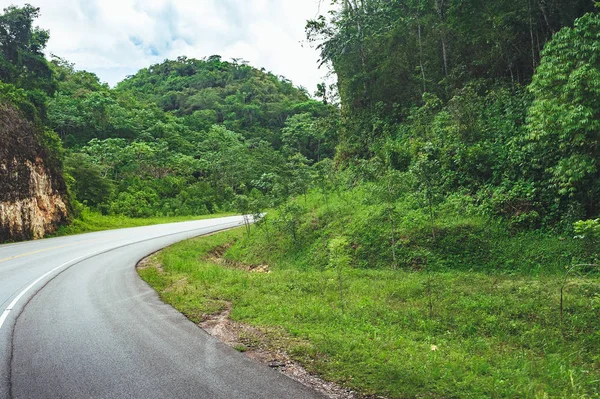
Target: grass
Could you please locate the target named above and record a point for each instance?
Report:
(90, 221)
(449, 333)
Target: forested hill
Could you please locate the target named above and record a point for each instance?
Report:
(253, 102)
(183, 137)
(198, 93)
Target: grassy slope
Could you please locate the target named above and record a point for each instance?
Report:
(90, 221)
(491, 330)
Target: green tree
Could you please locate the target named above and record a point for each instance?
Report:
(22, 45)
(243, 207)
(339, 259)
(299, 135)
(90, 187)
(426, 170)
(300, 177)
(290, 219)
(324, 175)
(564, 119)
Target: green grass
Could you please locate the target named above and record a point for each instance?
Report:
(89, 221)
(450, 333)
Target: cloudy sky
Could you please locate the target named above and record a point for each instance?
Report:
(116, 38)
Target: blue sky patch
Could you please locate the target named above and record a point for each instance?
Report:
(149, 49)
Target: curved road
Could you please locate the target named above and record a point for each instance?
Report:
(77, 322)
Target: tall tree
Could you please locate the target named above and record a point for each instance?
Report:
(22, 60)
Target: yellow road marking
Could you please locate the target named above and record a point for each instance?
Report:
(42, 250)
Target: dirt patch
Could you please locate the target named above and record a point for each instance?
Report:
(263, 347)
(218, 251)
(150, 262)
(217, 256)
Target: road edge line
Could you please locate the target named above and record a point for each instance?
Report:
(80, 259)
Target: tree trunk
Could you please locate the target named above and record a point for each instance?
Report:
(533, 56)
(445, 55)
(421, 53)
(432, 217)
(440, 4)
(394, 258)
(545, 15)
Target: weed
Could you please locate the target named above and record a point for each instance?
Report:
(240, 348)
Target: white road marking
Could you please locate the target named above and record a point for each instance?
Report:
(30, 286)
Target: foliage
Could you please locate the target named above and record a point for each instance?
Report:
(302, 134)
(391, 52)
(22, 45)
(325, 178)
(26, 79)
(89, 185)
(589, 232)
(566, 90)
(20, 99)
(204, 92)
(588, 229)
(290, 219)
(339, 260)
(241, 204)
(444, 84)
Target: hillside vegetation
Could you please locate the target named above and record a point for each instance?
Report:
(497, 99)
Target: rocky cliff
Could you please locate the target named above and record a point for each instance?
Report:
(33, 199)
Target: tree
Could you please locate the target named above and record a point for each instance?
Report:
(90, 186)
(110, 154)
(243, 207)
(298, 135)
(340, 259)
(300, 177)
(564, 119)
(290, 219)
(22, 45)
(324, 175)
(259, 202)
(387, 190)
(426, 170)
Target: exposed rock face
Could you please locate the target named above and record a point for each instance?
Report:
(32, 193)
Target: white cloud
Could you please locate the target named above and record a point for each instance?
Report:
(115, 38)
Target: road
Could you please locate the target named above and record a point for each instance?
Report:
(77, 322)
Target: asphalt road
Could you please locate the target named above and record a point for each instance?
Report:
(77, 322)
